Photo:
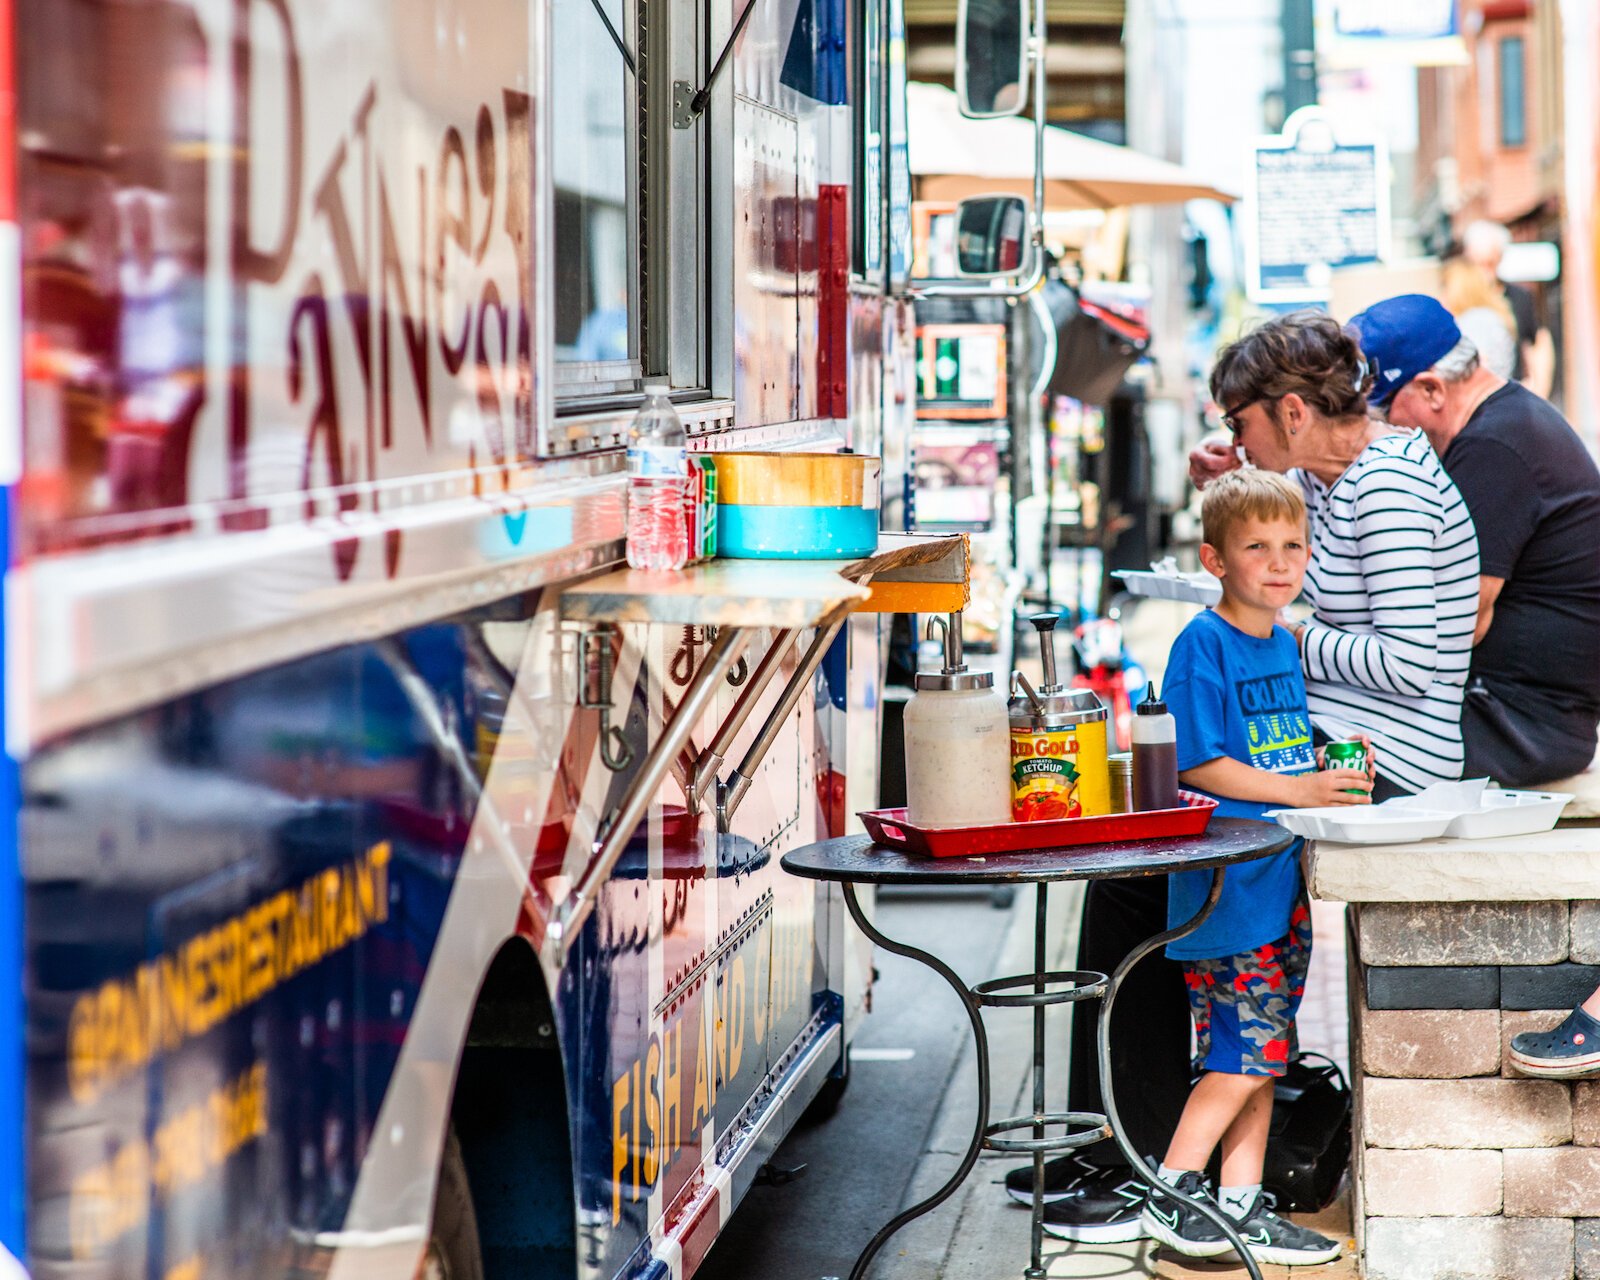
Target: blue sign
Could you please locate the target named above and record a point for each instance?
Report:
(1317, 203)
(1386, 20)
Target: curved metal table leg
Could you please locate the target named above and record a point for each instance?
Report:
(1103, 1044)
(981, 1039)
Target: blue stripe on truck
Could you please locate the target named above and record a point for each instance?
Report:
(12, 1197)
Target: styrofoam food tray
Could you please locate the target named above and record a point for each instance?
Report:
(1195, 588)
(1510, 813)
(1352, 824)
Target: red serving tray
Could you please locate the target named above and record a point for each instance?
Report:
(889, 827)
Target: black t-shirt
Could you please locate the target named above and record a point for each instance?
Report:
(1534, 494)
(1520, 301)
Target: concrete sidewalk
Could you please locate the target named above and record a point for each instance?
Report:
(979, 1233)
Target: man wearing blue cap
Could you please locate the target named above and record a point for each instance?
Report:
(1533, 694)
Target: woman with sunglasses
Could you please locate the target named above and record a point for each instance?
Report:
(1393, 581)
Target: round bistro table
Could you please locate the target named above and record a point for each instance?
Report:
(855, 860)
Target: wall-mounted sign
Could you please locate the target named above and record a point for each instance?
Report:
(1386, 20)
(1315, 202)
(1420, 33)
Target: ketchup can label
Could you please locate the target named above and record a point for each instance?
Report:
(1059, 773)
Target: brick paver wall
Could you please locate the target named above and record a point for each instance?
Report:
(1463, 1169)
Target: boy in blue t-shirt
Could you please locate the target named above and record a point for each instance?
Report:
(1244, 735)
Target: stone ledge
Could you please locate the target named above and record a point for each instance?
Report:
(1552, 866)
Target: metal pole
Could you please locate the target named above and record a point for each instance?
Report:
(1036, 1269)
(1299, 56)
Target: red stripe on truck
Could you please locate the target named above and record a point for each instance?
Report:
(833, 301)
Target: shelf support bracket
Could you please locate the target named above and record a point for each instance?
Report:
(716, 751)
(731, 794)
(568, 918)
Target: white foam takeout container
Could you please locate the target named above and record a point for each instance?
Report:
(1364, 824)
(1510, 813)
(1466, 810)
(1194, 588)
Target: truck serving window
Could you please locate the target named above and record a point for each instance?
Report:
(879, 92)
(596, 198)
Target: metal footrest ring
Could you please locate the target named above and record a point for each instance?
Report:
(1083, 1128)
(1008, 993)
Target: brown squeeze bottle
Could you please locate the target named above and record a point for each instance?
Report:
(1155, 757)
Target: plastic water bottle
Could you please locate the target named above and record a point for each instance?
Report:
(658, 471)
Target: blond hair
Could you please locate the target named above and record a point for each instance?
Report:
(1252, 494)
(1466, 287)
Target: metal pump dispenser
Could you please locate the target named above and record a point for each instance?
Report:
(955, 674)
(955, 727)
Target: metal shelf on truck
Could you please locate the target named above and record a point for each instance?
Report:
(907, 573)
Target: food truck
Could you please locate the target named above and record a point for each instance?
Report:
(392, 888)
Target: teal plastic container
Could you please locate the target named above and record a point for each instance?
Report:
(795, 533)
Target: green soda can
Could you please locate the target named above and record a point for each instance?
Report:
(708, 517)
(1346, 755)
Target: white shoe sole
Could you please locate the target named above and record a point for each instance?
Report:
(1158, 1230)
(1557, 1068)
(1289, 1257)
(1100, 1232)
(1026, 1197)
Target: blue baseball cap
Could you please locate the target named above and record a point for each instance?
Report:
(1402, 337)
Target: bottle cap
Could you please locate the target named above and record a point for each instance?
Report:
(1152, 704)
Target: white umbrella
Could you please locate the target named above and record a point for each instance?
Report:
(954, 157)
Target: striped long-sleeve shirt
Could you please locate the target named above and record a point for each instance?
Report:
(1394, 583)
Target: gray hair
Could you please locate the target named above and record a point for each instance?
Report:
(1459, 363)
(1497, 347)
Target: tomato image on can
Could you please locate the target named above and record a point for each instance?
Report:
(1059, 772)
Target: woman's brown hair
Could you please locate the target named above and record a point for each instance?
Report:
(1307, 354)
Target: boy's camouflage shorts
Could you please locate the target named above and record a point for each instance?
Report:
(1244, 1006)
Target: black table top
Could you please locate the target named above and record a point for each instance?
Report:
(855, 858)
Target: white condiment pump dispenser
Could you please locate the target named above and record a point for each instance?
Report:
(958, 743)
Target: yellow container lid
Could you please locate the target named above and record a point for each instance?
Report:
(798, 479)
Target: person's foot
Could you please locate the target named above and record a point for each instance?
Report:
(1062, 1176)
(1100, 1210)
(1275, 1239)
(1181, 1226)
(1564, 1053)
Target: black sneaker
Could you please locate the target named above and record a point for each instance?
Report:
(1275, 1239)
(1062, 1176)
(1101, 1211)
(1181, 1226)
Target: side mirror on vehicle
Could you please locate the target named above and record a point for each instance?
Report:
(991, 236)
(992, 58)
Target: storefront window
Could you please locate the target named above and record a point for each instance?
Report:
(1513, 93)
